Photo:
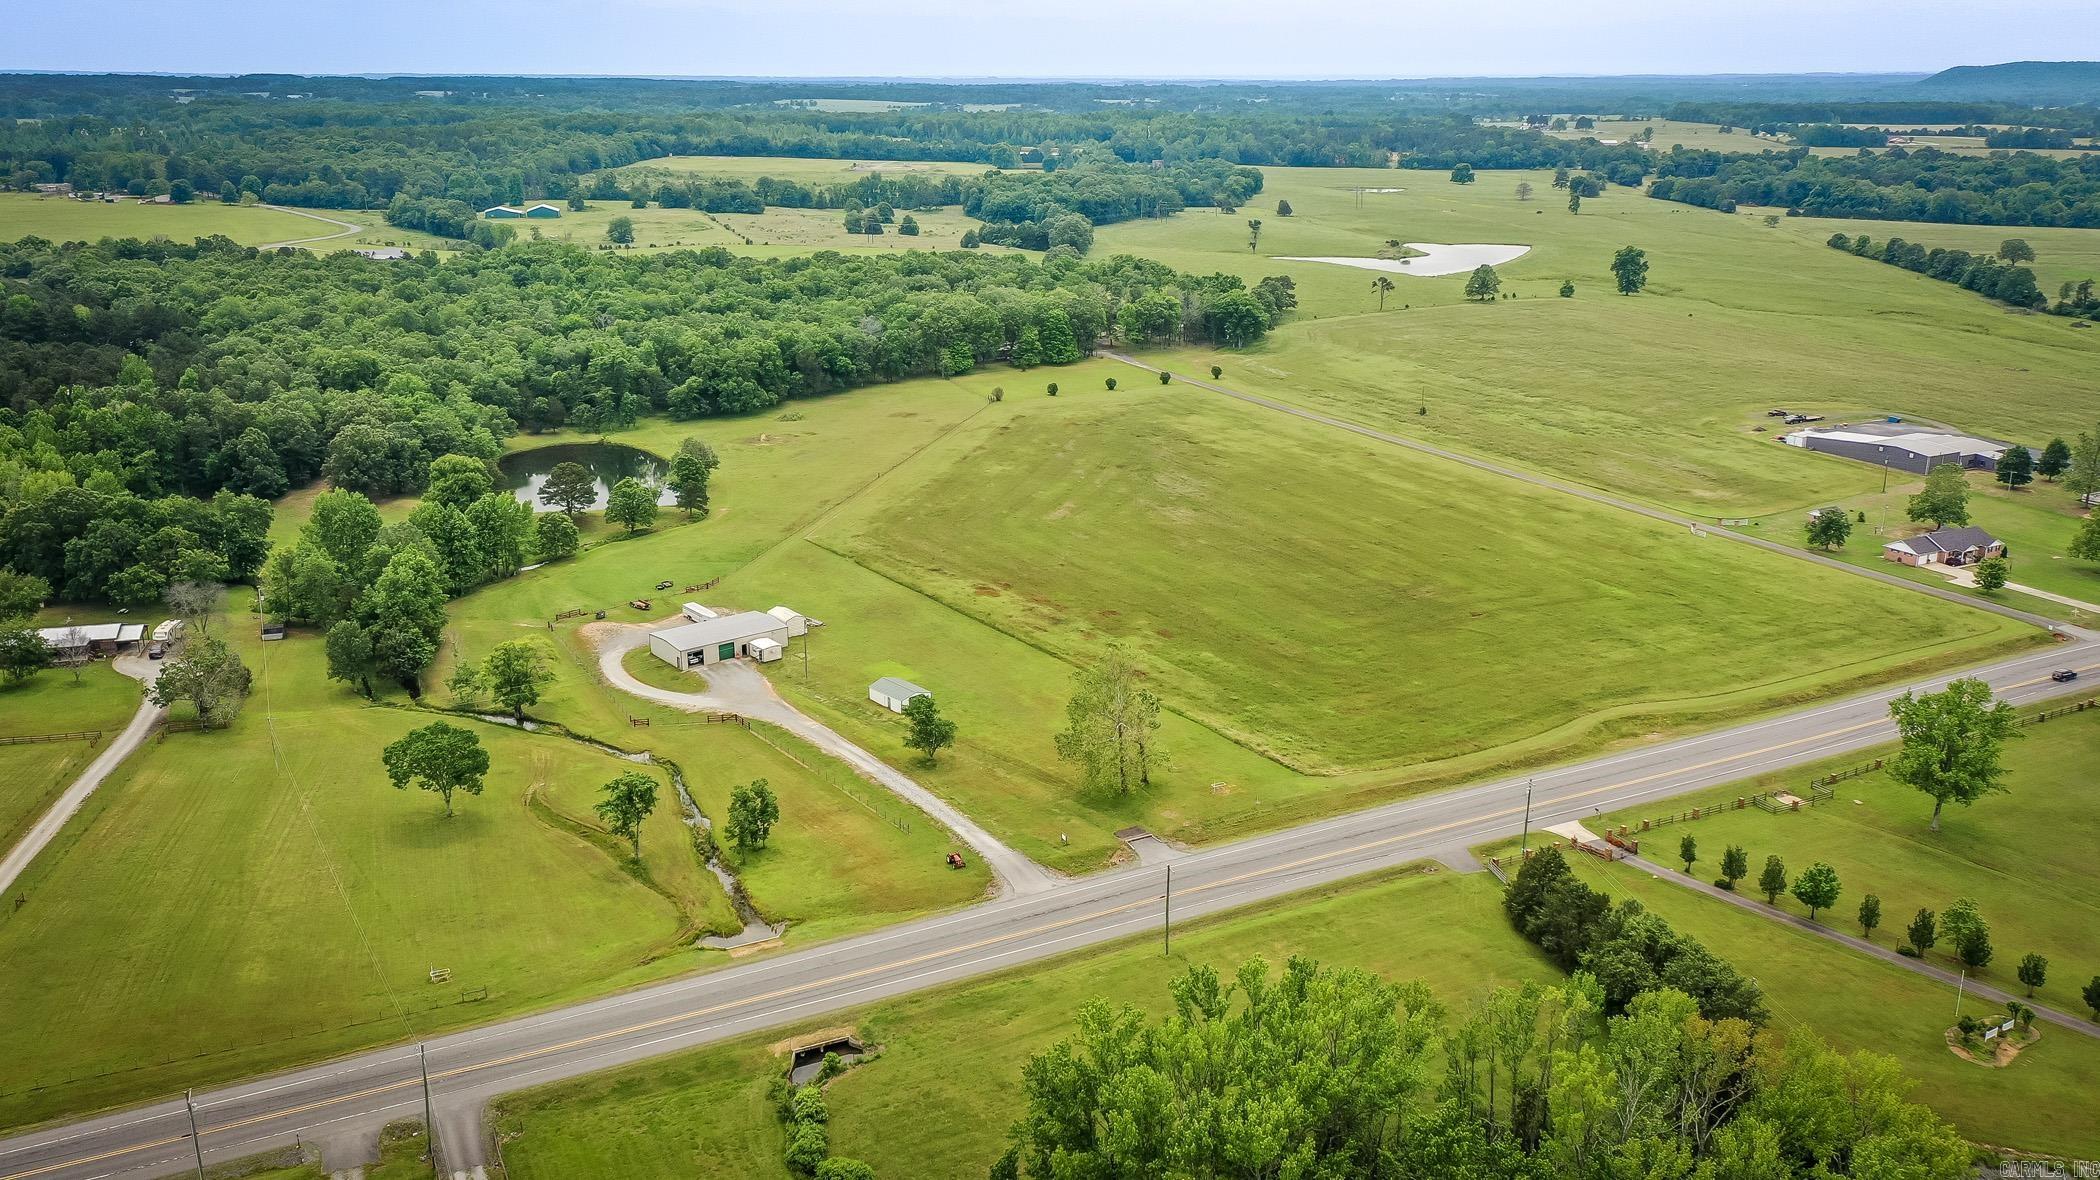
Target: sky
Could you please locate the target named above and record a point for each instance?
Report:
(1065, 38)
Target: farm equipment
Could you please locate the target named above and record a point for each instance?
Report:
(638, 603)
(955, 860)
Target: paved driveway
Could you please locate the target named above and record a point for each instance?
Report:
(736, 687)
(46, 829)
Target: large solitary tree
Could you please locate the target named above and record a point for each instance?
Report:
(1111, 725)
(438, 757)
(629, 799)
(514, 673)
(1383, 286)
(1483, 284)
(1952, 740)
(1829, 528)
(930, 732)
(753, 810)
(210, 676)
(631, 503)
(569, 487)
(1629, 268)
(1944, 499)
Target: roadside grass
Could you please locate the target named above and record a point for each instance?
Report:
(2025, 856)
(1334, 603)
(846, 854)
(216, 874)
(32, 775)
(1856, 1003)
(959, 1050)
(58, 219)
(1597, 388)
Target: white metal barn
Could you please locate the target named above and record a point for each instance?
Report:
(893, 694)
(797, 622)
(711, 641)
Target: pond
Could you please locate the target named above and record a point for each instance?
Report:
(524, 472)
(1432, 259)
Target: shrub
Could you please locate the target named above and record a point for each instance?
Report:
(807, 1146)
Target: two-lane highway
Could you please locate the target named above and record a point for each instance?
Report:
(345, 1101)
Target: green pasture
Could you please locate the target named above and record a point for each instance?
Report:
(2024, 856)
(218, 875)
(1657, 396)
(60, 219)
(2060, 255)
(1336, 603)
(54, 701)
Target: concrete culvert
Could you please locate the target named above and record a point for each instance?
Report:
(808, 1061)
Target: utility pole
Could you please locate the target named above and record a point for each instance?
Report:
(430, 1127)
(1525, 845)
(1884, 529)
(1958, 987)
(1167, 932)
(189, 1103)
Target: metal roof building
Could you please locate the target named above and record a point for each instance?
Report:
(893, 694)
(710, 641)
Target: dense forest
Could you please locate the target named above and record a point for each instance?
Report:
(150, 370)
(334, 154)
(2014, 188)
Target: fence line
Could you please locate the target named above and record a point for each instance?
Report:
(90, 736)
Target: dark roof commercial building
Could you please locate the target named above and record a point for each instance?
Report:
(1904, 449)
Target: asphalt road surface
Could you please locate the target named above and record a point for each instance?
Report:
(342, 1104)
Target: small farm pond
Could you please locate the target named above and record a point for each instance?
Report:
(525, 472)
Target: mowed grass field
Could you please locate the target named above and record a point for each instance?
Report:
(53, 701)
(2024, 856)
(219, 876)
(58, 219)
(959, 1050)
(1338, 604)
(1658, 396)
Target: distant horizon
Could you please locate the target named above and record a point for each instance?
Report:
(1160, 40)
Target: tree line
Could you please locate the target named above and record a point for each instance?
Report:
(1990, 276)
(361, 153)
(1925, 184)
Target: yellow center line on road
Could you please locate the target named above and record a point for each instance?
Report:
(950, 952)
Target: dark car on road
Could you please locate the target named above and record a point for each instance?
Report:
(2063, 674)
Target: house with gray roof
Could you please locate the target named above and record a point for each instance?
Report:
(1965, 545)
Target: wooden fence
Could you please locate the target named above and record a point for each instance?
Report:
(90, 736)
(2061, 711)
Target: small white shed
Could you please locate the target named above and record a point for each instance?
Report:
(696, 612)
(797, 622)
(893, 694)
(765, 651)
